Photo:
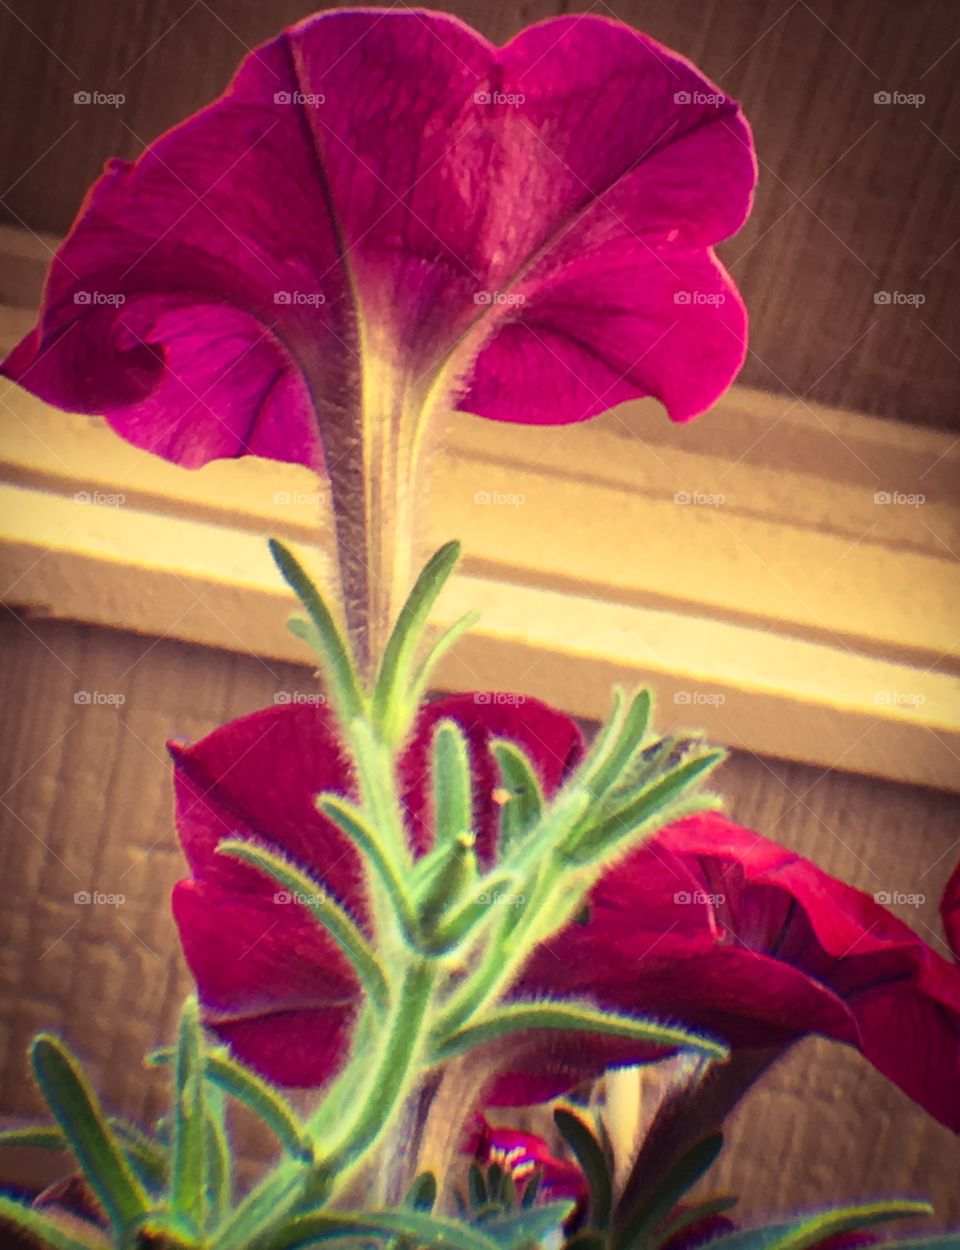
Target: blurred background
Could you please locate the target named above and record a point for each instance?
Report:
(849, 266)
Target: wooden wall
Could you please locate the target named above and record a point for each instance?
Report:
(854, 197)
(86, 805)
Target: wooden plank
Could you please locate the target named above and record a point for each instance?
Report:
(187, 579)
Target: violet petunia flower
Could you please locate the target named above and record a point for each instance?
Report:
(386, 218)
(383, 203)
(709, 925)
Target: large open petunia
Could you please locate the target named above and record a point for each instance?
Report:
(386, 217)
(709, 925)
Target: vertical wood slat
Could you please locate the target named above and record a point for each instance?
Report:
(87, 805)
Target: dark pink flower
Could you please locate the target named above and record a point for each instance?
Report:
(708, 926)
(386, 212)
(523, 1155)
(272, 983)
(722, 929)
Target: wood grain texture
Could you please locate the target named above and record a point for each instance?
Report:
(854, 198)
(86, 805)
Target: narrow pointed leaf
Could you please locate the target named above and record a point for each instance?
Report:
(653, 801)
(78, 1112)
(479, 1195)
(625, 745)
(452, 783)
(594, 1164)
(516, 1230)
(266, 1102)
(422, 1195)
(147, 1156)
(431, 1232)
(188, 1183)
(459, 923)
(247, 1087)
(338, 667)
(812, 1229)
(691, 1215)
(322, 906)
(393, 689)
(361, 832)
(46, 1230)
(639, 1221)
(524, 807)
(521, 1017)
(421, 678)
(43, 1136)
(219, 1163)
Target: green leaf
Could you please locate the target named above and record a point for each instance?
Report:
(594, 1163)
(517, 1230)
(146, 1155)
(342, 680)
(78, 1112)
(447, 639)
(573, 1018)
(219, 1193)
(479, 1195)
(422, 1195)
(247, 1087)
(626, 744)
(524, 808)
(188, 1183)
(43, 1136)
(652, 802)
(432, 1232)
(392, 705)
(637, 1222)
(47, 1230)
(812, 1229)
(266, 1102)
(452, 783)
(691, 1215)
(322, 906)
(351, 821)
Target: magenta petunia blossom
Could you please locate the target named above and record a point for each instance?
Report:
(709, 926)
(723, 929)
(524, 1155)
(385, 214)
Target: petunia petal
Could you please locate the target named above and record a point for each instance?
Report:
(256, 778)
(272, 984)
(382, 200)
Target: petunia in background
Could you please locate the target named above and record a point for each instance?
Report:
(708, 923)
(386, 218)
